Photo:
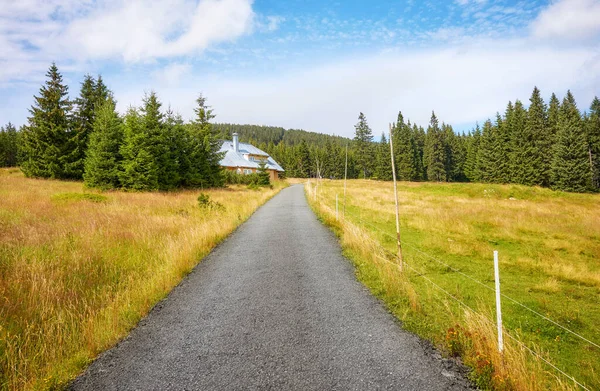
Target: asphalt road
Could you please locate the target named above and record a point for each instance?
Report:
(276, 306)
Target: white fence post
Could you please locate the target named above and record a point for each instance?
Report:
(498, 306)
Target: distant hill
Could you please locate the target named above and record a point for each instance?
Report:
(259, 134)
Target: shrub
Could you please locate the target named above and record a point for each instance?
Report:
(204, 202)
(252, 180)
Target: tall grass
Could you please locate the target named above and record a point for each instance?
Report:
(549, 244)
(78, 269)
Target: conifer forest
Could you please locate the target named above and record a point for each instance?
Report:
(554, 144)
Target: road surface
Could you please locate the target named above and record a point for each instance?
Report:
(274, 307)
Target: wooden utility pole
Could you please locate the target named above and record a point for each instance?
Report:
(400, 260)
(345, 177)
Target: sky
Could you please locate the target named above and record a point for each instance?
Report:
(306, 64)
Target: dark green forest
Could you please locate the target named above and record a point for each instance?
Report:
(86, 139)
(552, 145)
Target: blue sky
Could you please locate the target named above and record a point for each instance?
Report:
(306, 64)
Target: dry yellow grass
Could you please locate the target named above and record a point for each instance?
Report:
(78, 269)
(550, 250)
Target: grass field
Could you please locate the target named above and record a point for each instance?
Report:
(549, 247)
(78, 268)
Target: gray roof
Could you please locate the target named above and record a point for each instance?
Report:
(236, 159)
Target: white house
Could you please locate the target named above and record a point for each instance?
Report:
(246, 158)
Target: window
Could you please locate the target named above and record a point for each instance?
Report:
(247, 171)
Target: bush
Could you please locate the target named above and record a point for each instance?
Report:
(255, 179)
(204, 202)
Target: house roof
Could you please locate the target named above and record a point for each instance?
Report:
(236, 159)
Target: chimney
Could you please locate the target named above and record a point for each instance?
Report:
(236, 143)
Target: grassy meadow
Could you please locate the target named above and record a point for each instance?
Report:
(79, 268)
(549, 250)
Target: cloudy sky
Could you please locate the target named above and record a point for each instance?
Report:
(310, 64)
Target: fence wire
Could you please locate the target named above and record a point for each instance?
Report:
(320, 198)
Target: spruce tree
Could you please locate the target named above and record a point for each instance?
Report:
(83, 120)
(456, 155)
(553, 114)
(471, 166)
(45, 140)
(139, 167)
(503, 143)
(537, 125)
(205, 156)
(520, 148)
(303, 160)
(179, 143)
(570, 165)
(101, 92)
(405, 153)
(531, 145)
(157, 142)
(103, 159)
(435, 152)
(383, 162)
(363, 139)
(488, 156)
(418, 134)
(8, 146)
(593, 138)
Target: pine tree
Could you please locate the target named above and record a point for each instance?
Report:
(263, 175)
(103, 159)
(383, 161)
(101, 92)
(538, 126)
(553, 114)
(303, 160)
(205, 156)
(519, 146)
(456, 155)
(503, 142)
(418, 134)
(471, 166)
(45, 140)
(593, 138)
(83, 120)
(435, 153)
(488, 155)
(570, 166)
(363, 139)
(531, 145)
(139, 168)
(158, 143)
(8, 146)
(405, 153)
(178, 142)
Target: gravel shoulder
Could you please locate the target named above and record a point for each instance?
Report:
(275, 306)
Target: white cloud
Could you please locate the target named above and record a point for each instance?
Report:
(141, 30)
(463, 84)
(465, 2)
(568, 20)
(274, 22)
(73, 31)
(172, 74)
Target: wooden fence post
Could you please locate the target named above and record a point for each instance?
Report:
(399, 243)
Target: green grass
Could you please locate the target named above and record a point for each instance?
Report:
(549, 246)
(74, 197)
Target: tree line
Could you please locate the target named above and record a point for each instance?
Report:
(86, 138)
(550, 145)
